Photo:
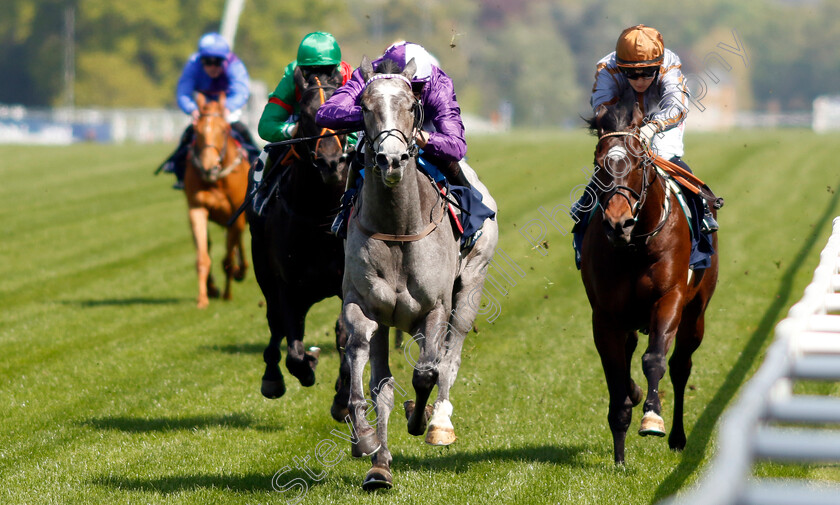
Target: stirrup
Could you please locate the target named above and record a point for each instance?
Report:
(469, 242)
(709, 225)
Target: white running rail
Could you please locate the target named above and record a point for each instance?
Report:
(806, 347)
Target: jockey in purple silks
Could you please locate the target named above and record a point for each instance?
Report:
(213, 69)
(441, 138)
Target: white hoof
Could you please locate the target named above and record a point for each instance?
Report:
(652, 424)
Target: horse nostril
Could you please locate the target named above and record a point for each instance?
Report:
(404, 158)
(629, 223)
(381, 159)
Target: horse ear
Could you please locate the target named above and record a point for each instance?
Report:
(300, 82)
(638, 117)
(410, 68)
(222, 99)
(200, 100)
(367, 68)
(599, 117)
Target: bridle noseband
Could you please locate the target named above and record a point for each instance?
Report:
(640, 196)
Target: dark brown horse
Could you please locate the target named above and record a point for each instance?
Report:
(635, 268)
(297, 261)
(215, 183)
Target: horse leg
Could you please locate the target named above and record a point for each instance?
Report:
(688, 340)
(273, 385)
(342, 384)
(665, 321)
(233, 239)
(426, 369)
(382, 393)
(612, 348)
(242, 261)
(212, 289)
(198, 224)
(630, 347)
(299, 362)
(360, 332)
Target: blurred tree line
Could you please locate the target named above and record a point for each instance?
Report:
(537, 55)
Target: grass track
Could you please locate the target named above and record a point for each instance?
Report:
(115, 389)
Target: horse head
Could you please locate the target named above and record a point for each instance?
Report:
(621, 170)
(212, 132)
(328, 154)
(390, 116)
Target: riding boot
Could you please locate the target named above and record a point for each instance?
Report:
(709, 224)
(583, 207)
(354, 180)
(455, 175)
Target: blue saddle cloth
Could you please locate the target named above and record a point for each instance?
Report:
(702, 249)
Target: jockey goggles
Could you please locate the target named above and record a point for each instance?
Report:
(639, 73)
(211, 61)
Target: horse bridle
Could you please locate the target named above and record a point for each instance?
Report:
(640, 196)
(325, 133)
(217, 172)
(412, 149)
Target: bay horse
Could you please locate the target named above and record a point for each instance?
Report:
(297, 261)
(215, 184)
(404, 269)
(635, 268)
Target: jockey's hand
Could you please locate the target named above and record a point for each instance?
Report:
(194, 116)
(289, 130)
(421, 139)
(647, 132)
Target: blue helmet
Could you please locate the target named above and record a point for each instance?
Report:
(213, 44)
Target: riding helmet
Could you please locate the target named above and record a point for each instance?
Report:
(318, 48)
(639, 46)
(213, 45)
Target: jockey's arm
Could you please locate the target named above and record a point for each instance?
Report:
(186, 86)
(340, 111)
(273, 125)
(448, 142)
(673, 107)
(239, 88)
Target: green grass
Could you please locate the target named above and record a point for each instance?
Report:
(115, 389)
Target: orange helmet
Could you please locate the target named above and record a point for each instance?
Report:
(639, 46)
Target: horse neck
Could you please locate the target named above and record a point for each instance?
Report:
(401, 210)
(305, 190)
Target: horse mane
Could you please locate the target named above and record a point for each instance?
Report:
(617, 118)
(387, 66)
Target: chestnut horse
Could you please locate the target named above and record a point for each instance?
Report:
(297, 261)
(215, 183)
(635, 268)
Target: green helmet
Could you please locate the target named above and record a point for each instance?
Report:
(318, 48)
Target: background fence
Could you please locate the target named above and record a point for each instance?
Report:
(769, 422)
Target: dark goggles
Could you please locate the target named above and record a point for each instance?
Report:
(639, 73)
(211, 61)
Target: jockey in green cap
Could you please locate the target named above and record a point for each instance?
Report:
(316, 51)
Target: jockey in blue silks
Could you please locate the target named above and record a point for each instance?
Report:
(213, 69)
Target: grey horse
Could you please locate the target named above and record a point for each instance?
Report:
(404, 269)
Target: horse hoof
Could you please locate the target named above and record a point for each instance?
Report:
(378, 478)
(273, 389)
(366, 445)
(652, 424)
(438, 435)
(202, 304)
